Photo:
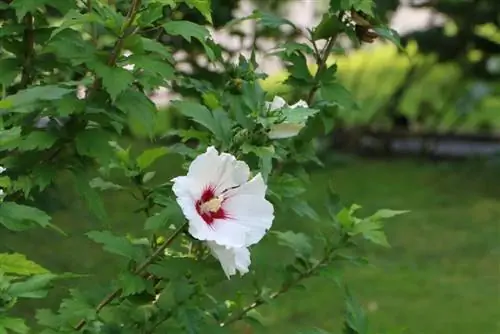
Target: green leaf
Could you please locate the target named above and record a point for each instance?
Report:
(22, 7)
(91, 197)
(37, 140)
(153, 66)
(16, 325)
(303, 209)
(33, 287)
(158, 48)
(131, 284)
(298, 242)
(390, 35)
(218, 122)
(337, 95)
(265, 155)
(31, 95)
(377, 237)
(18, 264)
(189, 30)
(101, 184)
(114, 79)
(94, 143)
(298, 115)
(116, 245)
(355, 318)
(73, 18)
(140, 110)
(150, 156)
(166, 216)
(18, 217)
(386, 213)
(9, 70)
(203, 6)
(329, 26)
(186, 30)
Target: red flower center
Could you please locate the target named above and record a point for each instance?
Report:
(209, 207)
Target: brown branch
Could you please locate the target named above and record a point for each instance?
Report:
(29, 48)
(139, 270)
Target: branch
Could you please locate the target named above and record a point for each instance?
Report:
(117, 48)
(285, 288)
(139, 270)
(29, 47)
(321, 62)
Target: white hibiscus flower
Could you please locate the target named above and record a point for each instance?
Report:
(286, 129)
(220, 203)
(231, 259)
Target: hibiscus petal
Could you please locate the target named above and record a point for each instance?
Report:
(277, 103)
(218, 171)
(231, 259)
(300, 104)
(247, 210)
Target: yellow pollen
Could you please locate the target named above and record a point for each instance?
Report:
(212, 206)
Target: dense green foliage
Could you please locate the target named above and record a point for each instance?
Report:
(75, 87)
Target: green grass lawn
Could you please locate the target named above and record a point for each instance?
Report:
(442, 274)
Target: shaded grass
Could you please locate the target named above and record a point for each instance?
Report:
(441, 275)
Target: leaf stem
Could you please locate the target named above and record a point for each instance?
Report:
(139, 270)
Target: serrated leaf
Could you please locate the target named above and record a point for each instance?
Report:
(39, 93)
(37, 140)
(298, 242)
(148, 157)
(131, 284)
(203, 6)
(14, 325)
(22, 7)
(73, 18)
(186, 30)
(158, 48)
(166, 216)
(91, 197)
(114, 79)
(18, 264)
(94, 143)
(153, 66)
(18, 217)
(355, 320)
(198, 113)
(189, 30)
(115, 244)
(140, 110)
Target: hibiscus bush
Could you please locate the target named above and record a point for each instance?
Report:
(75, 100)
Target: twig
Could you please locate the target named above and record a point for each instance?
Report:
(139, 270)
(321, 67)
(132, 13)
(260, 301)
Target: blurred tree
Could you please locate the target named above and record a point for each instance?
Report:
(465, 42)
